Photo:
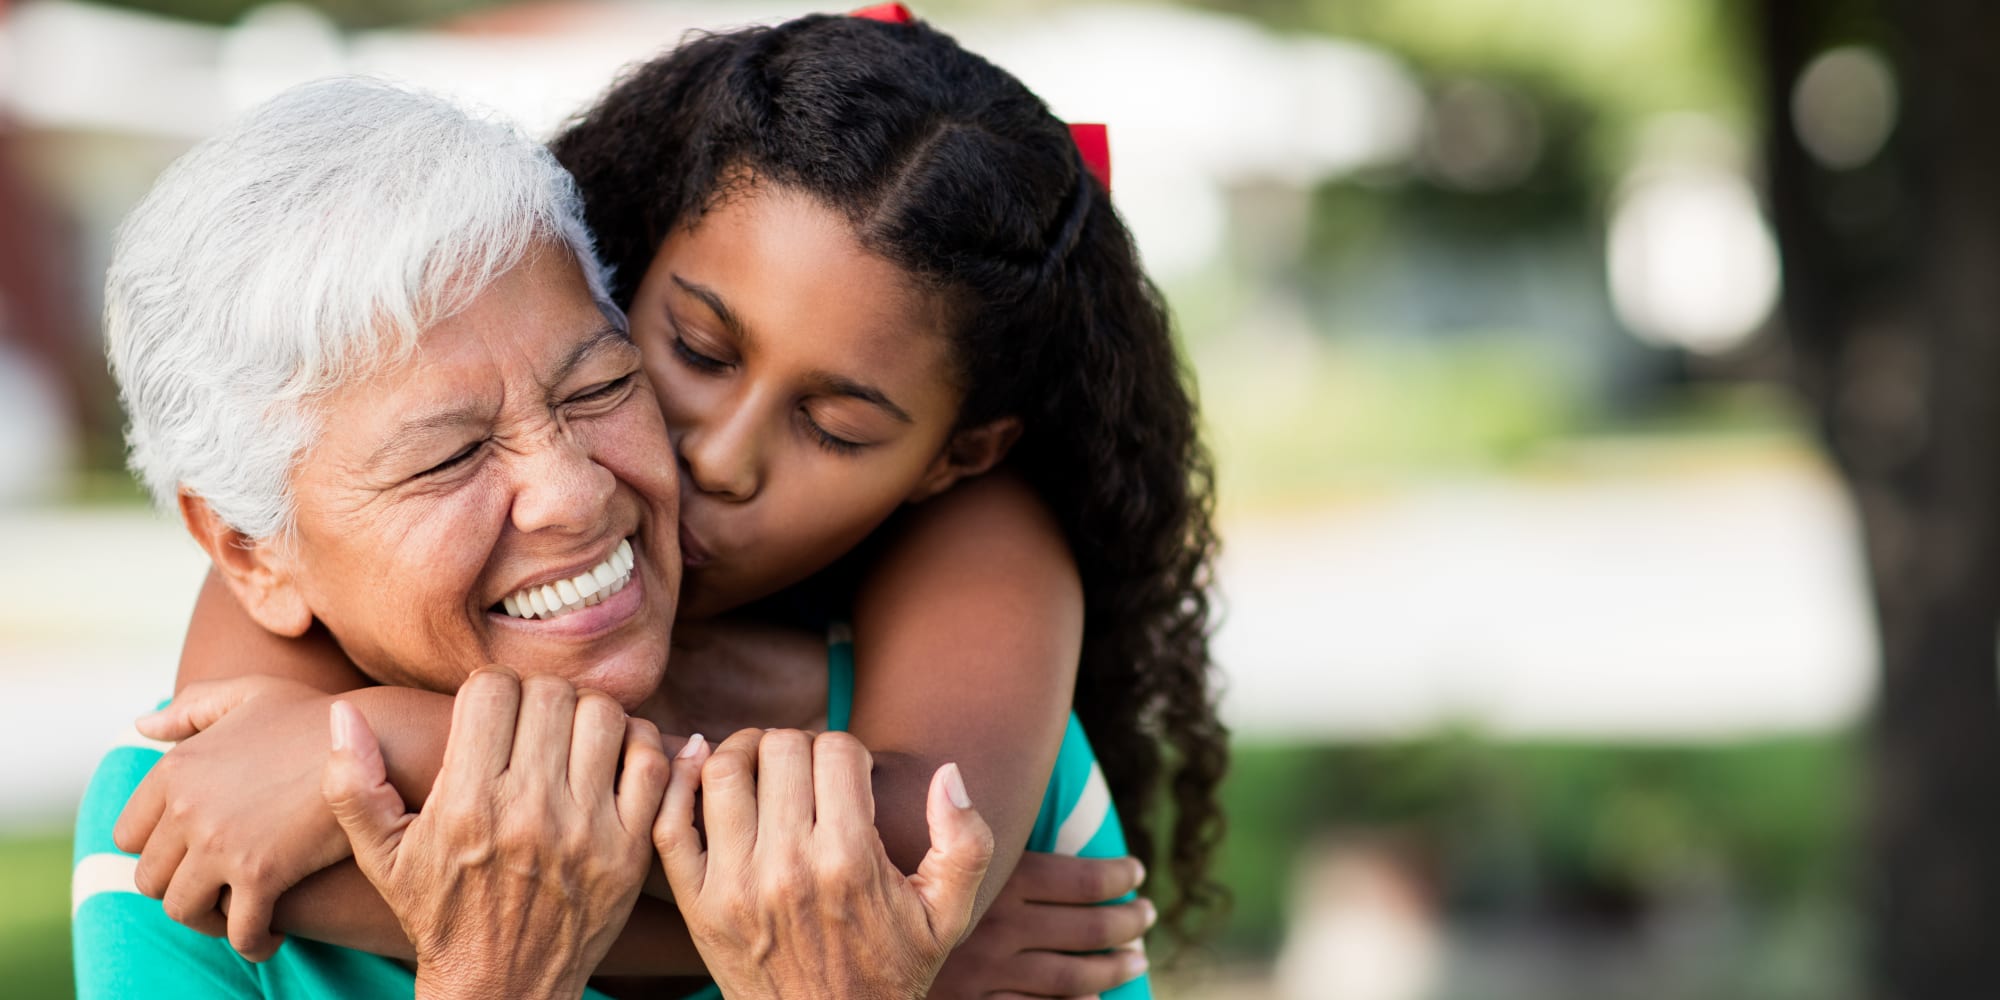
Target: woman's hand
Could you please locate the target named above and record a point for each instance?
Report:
(794, 895)
(1054, 932)
(231, 818)
(528, 856)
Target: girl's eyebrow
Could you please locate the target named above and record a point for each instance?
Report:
(715, 304)
(841, 385)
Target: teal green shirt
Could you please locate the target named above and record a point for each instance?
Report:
(125, 946)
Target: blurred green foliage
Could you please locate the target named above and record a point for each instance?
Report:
(1541, 827)
(34, 916)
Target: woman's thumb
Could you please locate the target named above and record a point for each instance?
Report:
(356, 784)
(961, 849)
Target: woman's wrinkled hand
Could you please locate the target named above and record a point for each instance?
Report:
(526, 860)
(232, 817)
(793, 895)
(1054, 932)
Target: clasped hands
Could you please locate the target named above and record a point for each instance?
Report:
(523, 866)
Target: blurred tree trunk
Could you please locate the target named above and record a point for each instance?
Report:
(1892, 287)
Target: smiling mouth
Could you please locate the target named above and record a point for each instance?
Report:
(590, 587)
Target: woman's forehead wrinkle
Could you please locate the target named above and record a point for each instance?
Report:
(408, 435)
(606, 339)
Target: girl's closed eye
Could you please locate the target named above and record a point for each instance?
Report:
(827, 439)
(695, 359)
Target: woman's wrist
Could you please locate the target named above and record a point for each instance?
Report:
(471, 979)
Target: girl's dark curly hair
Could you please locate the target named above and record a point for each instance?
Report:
(950, 168)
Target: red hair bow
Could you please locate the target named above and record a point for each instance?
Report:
(1093, 141)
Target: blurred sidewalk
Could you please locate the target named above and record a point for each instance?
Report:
(92, 606)
(1695, 607)
(1681, 606)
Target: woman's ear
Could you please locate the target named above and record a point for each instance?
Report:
(970, 452)
(258, 571)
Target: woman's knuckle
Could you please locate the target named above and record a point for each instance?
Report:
(727, 765)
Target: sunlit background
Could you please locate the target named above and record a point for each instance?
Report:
(1548, 635)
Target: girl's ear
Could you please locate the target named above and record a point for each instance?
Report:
(969, 452)
(259, 572)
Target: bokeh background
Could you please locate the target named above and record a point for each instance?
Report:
(1602, 396)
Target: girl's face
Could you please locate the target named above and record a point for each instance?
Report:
(806, 385)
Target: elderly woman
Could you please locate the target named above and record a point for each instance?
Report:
(301, 314)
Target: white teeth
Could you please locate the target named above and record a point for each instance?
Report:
(586, 589)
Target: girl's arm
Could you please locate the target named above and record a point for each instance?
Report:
(967, 634)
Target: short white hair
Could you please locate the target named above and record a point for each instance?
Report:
(308, 245)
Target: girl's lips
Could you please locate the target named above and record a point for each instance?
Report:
(693, 553)
(593, 621)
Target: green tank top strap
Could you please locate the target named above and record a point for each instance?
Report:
(839, 677)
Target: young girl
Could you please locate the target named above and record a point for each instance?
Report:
(866, 267)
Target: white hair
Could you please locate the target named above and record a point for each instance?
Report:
(308, 245)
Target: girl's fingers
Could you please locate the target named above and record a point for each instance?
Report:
(1062, 878)
(784, 790)
(598, 734)
(542, 734)
(643, 777)
(250, 925)
(674, 834)
(1051, 974)
(134, 830)
(481, 742)
(843, 795)
(190, 900)
(1084, 926)
(158, 864)
(199, 706)
(729, 803)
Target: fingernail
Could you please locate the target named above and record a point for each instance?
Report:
(954, 787)
(342, 726)
(1152, 914)
(1142, 873)
(694, 745)
(1135, 962)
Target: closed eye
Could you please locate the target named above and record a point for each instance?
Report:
(463, 456)
(695, 359)
(605, 391)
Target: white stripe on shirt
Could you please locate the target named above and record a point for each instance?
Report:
(98, 874)
(1087, 816)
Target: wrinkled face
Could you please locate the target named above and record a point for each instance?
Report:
(806, 385)
(503, 497)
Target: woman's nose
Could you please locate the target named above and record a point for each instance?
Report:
(721, 456)
(562, 488)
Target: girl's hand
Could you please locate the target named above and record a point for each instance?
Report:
(232, 816)
(794, 895)
(1052, 908)
(528, 856)
(202, 704)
